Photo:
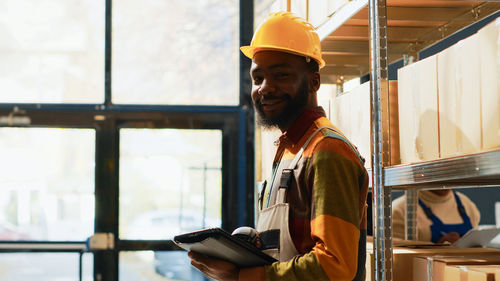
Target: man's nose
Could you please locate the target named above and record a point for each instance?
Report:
(266, 87)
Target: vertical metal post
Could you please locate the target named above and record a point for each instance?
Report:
(80, 264)
(379, 87)
(204, 194)
(411, 214)
(246, 127)
(107, 53)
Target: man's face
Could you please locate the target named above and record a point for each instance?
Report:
(280, 88)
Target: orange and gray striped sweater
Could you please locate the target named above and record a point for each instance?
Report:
(327, 199)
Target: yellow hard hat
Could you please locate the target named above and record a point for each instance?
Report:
(283, 31)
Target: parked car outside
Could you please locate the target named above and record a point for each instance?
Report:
(10, 232)
(164, 225)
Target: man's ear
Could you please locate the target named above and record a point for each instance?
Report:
(314, 82)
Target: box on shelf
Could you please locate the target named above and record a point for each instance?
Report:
(394, 123)
(442, 268)
(359, 120)
(350, 112)
(474, 272)
(489, 61)
(465, 80)
(459, 98)
(340, 113)
(402, 259)
(418, 111)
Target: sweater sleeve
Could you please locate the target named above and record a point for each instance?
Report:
(334, 175)
(336, 213)
(471, 209)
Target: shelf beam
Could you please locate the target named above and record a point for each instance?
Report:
(475, 169)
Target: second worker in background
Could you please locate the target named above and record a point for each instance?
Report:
(443, 215)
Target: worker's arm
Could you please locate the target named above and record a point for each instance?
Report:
(334, 174)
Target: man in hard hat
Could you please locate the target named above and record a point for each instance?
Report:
(312, 215)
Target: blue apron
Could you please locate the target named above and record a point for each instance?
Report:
(438, 228)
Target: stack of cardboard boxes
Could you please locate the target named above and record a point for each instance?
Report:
(449, 103)
(460, 268)
(443, 106)
(420, 262)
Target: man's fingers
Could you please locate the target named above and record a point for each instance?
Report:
(200, 266)
(198, 261)
(214, 268)
(197, 257)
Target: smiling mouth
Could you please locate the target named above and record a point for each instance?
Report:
(271, 105)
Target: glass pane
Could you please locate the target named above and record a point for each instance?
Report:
(176, 52)
(52, 51)
(170, 182)
(262, 8)
(46, 184)
(157, 266)
(45, 266)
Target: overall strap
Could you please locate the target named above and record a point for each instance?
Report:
(287, 174)
(297, 157)
(461, 209)
(430, 215)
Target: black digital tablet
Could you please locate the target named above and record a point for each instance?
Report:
(217, 243)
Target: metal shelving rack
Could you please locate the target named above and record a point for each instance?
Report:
(365, 36)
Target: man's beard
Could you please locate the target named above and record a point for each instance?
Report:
(293, 109)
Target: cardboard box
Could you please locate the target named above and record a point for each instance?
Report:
(459, 98)
(340, 113)
(395, 158)
(440, 268)
(403, 268)
(359, 121)
(418, 111)
(473, 272)
(489, 61)
(351, 113)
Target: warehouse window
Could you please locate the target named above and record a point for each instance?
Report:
(130, 118)
(170, 182)
(52, 51)
(46, 266)
(47, 184)
(176, 52)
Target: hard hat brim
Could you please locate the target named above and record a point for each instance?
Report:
(250, 51)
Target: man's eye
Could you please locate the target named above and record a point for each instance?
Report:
(281, 75)
(257, 80)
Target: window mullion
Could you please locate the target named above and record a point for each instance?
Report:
(106, 196)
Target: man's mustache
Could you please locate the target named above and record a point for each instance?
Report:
(272, 98)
